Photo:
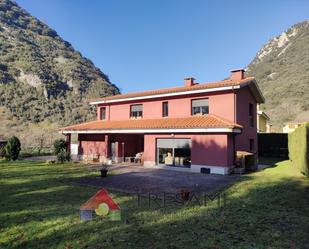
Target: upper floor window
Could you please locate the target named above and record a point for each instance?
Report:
(200, 106)
(136, 111)
(165, 109)
(102, 113)
(251, 116)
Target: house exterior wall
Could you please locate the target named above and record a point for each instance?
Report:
(243, 99)
(92, 146)
(221, 104)
(208, 150)
(131, 143)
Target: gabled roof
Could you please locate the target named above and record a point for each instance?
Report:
(205, 123)
(227, 84)
(263, 114)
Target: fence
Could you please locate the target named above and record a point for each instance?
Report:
(273, 145)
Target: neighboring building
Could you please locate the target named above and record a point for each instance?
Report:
(287, 128)
(263, 125)
(195, 126)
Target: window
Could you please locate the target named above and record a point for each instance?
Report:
(174, 152)
(200, 106)
(251, 116)
(251, 144)
(165, 109)
(136, 111)
(102, 113)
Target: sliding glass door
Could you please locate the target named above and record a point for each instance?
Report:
(174, 152)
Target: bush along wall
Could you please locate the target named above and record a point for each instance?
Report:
(299, 148)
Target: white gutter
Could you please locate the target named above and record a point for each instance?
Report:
(145, 131)
(166, 95)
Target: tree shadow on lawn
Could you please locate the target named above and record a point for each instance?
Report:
(271, 214)
(258, 214)
(259, 218)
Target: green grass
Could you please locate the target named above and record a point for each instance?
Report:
(39, 209)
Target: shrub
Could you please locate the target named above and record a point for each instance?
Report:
(60, 149)
(62, 156)
(299, 148)
(12, 148)
(59, 145)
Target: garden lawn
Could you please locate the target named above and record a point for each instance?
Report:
(39, 209)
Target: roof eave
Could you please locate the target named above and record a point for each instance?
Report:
(148, 131)
(216, 89)
(256, 91)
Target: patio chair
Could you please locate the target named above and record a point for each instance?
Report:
(138, 157)
(169, 160)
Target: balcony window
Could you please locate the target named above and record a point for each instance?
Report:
(165, 109)
(200, 107)
(102, 113)
(136, 111)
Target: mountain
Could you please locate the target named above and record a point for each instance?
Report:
(41, 75)
(281, 68)
(42, 78)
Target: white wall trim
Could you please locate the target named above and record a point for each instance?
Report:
(149, 164)
(166, 95)
(145, 131)
(219, 170)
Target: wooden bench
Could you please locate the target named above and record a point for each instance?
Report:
(102, 196)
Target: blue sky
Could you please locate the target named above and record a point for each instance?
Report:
(150, 44)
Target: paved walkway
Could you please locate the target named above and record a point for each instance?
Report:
(135, 179)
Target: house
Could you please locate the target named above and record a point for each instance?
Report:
(194, 126)
(287, 128)
(263, 125)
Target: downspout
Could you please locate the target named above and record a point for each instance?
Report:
(235, 117)
(109, 111)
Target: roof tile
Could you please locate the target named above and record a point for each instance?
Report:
(223, 83)
(194, 122)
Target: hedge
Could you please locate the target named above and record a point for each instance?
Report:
(299, 148)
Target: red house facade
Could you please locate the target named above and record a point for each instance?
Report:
(195, 126)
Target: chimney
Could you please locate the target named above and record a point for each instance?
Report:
(237, 74)
(189, 81)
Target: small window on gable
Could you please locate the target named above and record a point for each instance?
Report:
(200, 107)
(251, 116)
(165, 109)
(102, 113)
(136, 111)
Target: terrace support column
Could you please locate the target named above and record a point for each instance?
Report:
(107, 146)
(68, 141)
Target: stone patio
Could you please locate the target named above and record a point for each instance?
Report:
(136, 179)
